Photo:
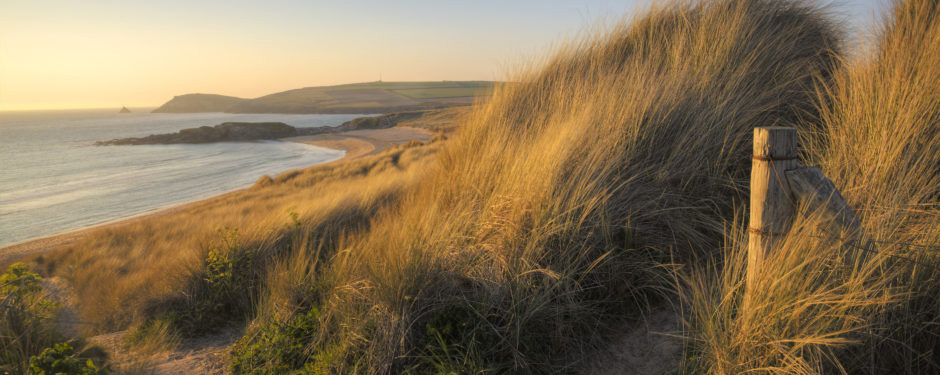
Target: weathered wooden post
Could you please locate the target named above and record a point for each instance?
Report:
(772, 209)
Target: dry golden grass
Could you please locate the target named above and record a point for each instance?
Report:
(554, 213)
(567, 201)
(439, 120)
(121, 273)
(827, 308)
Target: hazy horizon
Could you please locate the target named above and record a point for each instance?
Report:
(77, 55)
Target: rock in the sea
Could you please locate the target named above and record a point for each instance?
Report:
(225, 132)
(124, 110)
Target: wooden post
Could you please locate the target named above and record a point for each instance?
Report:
(775, 152)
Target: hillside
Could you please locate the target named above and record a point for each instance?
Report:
(191, 103)
(372, 97)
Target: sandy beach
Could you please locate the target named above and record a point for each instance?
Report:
(357, 144)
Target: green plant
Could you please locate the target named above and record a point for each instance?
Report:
(277, 347)
(61, 359)
(223, 293)
(18, 282)
(228, 266)
(27, 323)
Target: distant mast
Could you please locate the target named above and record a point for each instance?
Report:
(124, 110)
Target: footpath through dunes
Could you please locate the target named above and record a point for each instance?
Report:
(530, 242)
(547, 235)
(555, 217)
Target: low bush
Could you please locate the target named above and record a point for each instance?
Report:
(27, 320)
(221, 294)
(62, 359)
(277, 348)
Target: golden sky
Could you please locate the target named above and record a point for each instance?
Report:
(100, 54)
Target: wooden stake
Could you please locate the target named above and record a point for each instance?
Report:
(775, 152)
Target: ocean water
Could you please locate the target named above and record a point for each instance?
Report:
(52, 179)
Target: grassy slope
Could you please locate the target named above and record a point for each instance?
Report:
(127, 274)
(825, 307)
(552, 212)
(563, 203)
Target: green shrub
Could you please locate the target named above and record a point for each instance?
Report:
(228, 268)
(278, 348)
(223, 292)
(26, 319)
(61, 359)
(18, 281)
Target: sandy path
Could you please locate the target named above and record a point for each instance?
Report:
(356, 143)
(651, 346)
(205, 355)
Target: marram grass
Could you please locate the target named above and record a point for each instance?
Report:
(569, 202)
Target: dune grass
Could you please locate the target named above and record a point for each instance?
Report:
(826, 307)
(567, 204)
(127, 274)
(556, 212)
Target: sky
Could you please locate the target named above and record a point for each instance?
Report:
(67, 54)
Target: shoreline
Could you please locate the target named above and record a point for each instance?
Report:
(356, 144)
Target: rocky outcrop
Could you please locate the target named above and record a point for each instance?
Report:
(124, 110)
(250, 131)
(226, 132)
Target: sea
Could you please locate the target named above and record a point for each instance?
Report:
(53, 179)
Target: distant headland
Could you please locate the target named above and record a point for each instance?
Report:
(371, 97)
